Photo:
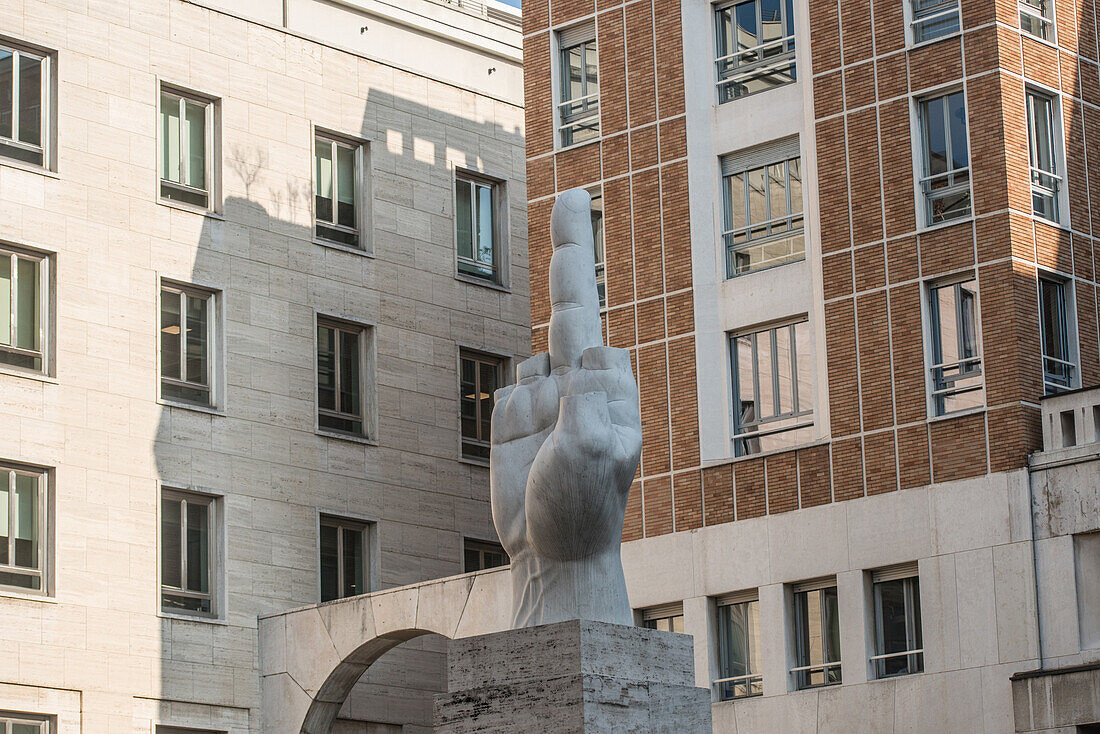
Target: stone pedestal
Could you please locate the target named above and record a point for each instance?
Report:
(574, 677)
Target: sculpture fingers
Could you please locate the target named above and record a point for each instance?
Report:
(575, 321)
(535, 366)
(608, 369)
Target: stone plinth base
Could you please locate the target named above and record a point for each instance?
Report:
(573, 678)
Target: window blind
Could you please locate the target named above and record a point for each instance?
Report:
(568, 37)
(760, 155)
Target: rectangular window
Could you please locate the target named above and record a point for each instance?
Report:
(25, 122)
(772, 388)
(666, 618)
(186, 148)
(13, 722)
(1059, 369)
(187, 554)
(934, 19)
(739, 665)
(1046, 180)
(188, 730)
(479, 378)
(817, 636)
(338, 171)
(476, 204)
(945, 179)
(899, 649)
(341, 355)
(1086, 552)
(579, 111)
(24, 310)
(763, 223)
(479, 555)
(1037, 18)
(599, 254)
(755, 47)
(23, 517)
(345, 570)
(956, 358)
(188, 323)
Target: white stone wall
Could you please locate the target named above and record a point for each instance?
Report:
(100, 636)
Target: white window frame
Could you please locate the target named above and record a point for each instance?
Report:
(367, 403)
(744, 72)
(801, 672)
(751, 680)
(44, 530)
(214, 346)
(912, 21)
(930, 331)
(46, 723)
(363, 189)
(906, 573)
(1051, 184)
(1045, 17)
(212, 152)
(922, 181)
(48, 123)
(1069, 318)
(366, 529)
(215, 554)
(46, 303)
(592, 109)
(501, 241)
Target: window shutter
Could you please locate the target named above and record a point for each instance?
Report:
(760, 155)
(737, 597)
(893, 573)
(568, 37)
(674, 609)
(814, 584)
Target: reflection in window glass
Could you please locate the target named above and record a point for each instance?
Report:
(764, 224)
(817, 627)
(579, 111)
(343, 561)
(739, 664)
(336, 190)
(23, 85)
(945, 183)
(1059, 370)
(480, 376)
(898, 638)
(475, 214)
(934, 19)
(755, 48)
(339, 378)
(185, 126)
(956, 361)
(186, 547)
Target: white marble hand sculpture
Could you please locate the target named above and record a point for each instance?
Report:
(566, 440)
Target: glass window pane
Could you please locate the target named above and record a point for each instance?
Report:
(777, 190)
(198, 547)
(758, 202)
(960, 157)
(892, 632)
(5, 499)
(783, 348)
(968, 319)
(170, 334)
(322, 151)
(590, 66)
(765, 365)
(326, 367)
(30, 100)
(464, 218)
(935, 137)
(330, 581)
(353, 562)
(1041, 132)
(472, 560)
(1052, 306)
(25, 521)
(469, 401)
(804, 353)
(196, 144)
(197, 340)
(746, 25)
(27, 304)
(735, 202)
(171, 529)
(946, 338)
(170, 138)
(487, 386)
(724, 20)
(574, 64)
(794, 167)
(7, 89)
(485, 239)
(349, 372)
(746, 394)
(5, 299)
(771, 20)
(345, 170)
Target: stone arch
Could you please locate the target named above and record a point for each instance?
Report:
(311, 658)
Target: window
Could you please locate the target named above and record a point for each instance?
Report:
(773, 388)
(1059, 368)
(599, 254)
(762, 203)
(186, 150)
(341, 356)
(755, 47)
(188, 324)
(187, 553)
(934, 19)
(12, 722)
(579, 110)
(1045, 164)
(188, 730)
(480, 376)
(23, 517)
(479, 555)
(24, 310)
(739, 663)
(344, 558)
(956, 359)
(667, 618)
(338, 169)
(1086, 551)
(476, 206)
(817, 635)
(945, 180)
(1037, 18)
(25, 114)
(898, 646)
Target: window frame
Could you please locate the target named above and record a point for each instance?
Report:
(753, 682)
(1055, 192)
(482, 546)
(804, 668)
(913, 19)
(1047, 23)
(214, 552)
(1068, 318)
(914, 623)
(363, 189)
(565, 125)
(740, 73)
(212, 154)
(46, 309)
(923, 179)
(931, 329)
(795, 220)
(47, 723)
(47, 106)
(500, 228)
(366, 332)
(214, 347)
(367, 530)
(663, 618)
(44, 531)
(478, 356)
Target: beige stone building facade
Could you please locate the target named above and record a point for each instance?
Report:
(252, 255)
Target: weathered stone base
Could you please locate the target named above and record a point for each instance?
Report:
(574, 677)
